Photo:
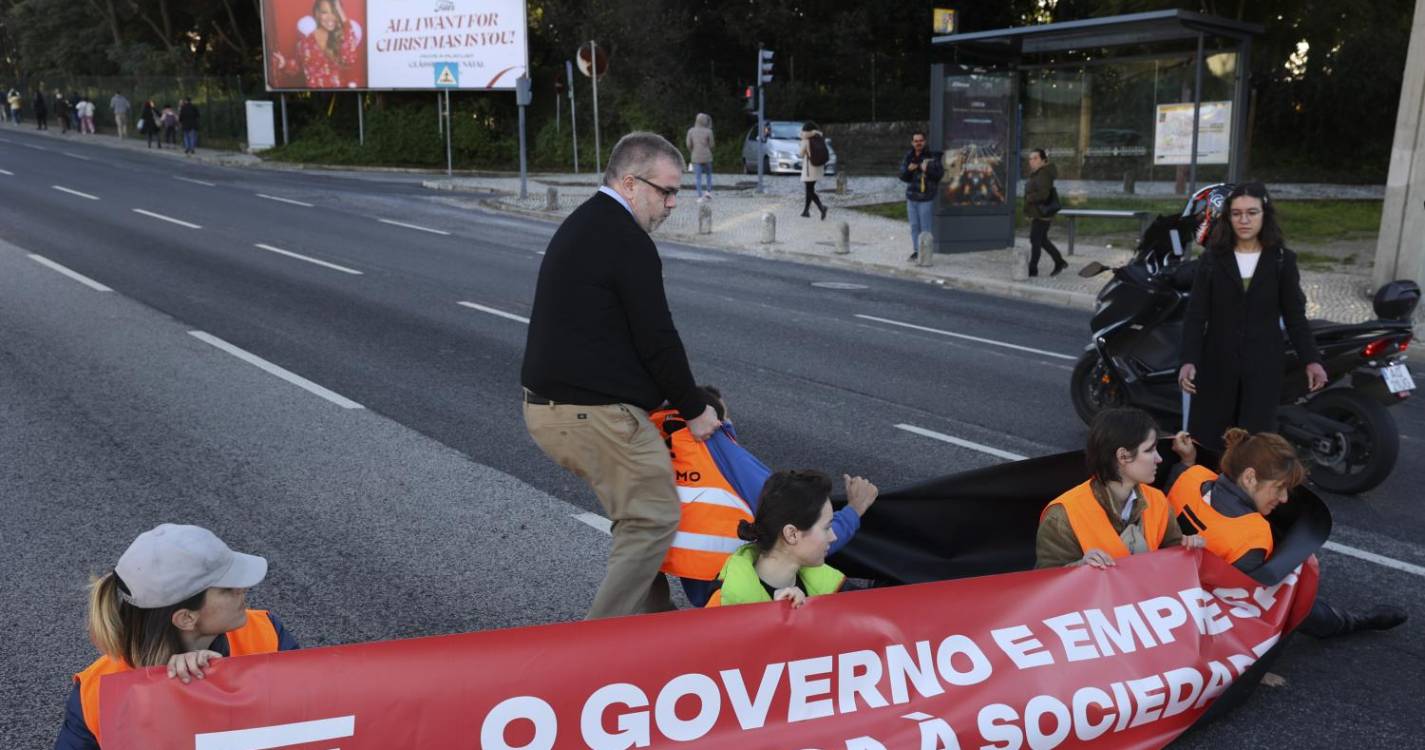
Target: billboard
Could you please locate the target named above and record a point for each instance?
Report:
(1172, 136)
(333, 45)
(978, 111)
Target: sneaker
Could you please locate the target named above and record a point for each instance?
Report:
(1058, 269)
(823, 213)
(913, 257)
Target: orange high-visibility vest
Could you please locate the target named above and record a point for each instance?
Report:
(1225, 536)
(1093, 528)
(711, 508)
(256, 636)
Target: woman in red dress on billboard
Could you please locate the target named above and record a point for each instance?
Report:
(327, 50)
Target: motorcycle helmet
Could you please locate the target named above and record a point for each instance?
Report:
(1206, 205)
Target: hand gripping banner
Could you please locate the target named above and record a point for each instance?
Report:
(1123, 658)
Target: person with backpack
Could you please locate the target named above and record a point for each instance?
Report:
(814, 155)
(169, 122)
(1040, 204)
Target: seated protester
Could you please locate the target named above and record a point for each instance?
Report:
(1115, 513)
(1229, 513)
(176, 597)
(719, 482)
(789, 539)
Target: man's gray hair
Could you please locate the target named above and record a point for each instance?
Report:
(637, 152)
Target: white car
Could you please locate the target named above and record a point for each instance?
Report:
(779, 152)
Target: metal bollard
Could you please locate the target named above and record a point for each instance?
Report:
(843, 238)
(840, 182)
(551, 199)
(769, 228)
(925, 254)
(1019, 264)
(704, 218)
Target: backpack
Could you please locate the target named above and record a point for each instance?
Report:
(817, 152)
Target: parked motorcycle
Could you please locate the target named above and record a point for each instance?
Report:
(1343, 431)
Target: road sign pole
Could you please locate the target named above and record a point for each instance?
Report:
(448, 161)
(285, 139)
(361, 118)
(761, 137)
(523, 93)
(594, 67)
(573, 120)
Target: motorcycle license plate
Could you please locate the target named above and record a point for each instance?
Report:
(1397, 379)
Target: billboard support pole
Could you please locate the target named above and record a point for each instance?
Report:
(448, 162)
(1196, 114)
(573, 121)
(594, 68)
(523, 95)
(285, 139)
(439, 116)
(361, 118)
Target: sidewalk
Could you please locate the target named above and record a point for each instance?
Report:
(880, 245)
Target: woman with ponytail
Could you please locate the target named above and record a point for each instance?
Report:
(788, 541)
(176, 598)
(1229, 512)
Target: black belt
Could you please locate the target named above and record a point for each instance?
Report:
(530, 397)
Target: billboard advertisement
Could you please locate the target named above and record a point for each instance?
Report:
(978, 112)
(333, 45)
(1172, 136)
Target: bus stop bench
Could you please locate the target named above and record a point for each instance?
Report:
(1072, 214)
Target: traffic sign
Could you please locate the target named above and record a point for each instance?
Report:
(591, 58)
(447, 75)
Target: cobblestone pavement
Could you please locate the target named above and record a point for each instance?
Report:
(882, 245)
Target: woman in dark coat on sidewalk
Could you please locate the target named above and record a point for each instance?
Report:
(41, 111)
(1247, 287)
(148, 121)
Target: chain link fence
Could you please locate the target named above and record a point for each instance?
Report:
(219, 100)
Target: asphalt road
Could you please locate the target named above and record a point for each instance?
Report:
(117, 416)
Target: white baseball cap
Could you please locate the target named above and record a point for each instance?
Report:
(172, 562)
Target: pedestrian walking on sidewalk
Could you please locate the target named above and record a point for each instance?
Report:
(148, 124)
(86, 115)
(41, 111)
(700, 153)
(602, 352)
(168, 121)
(16, 102)
(121, 108)
(812, 143)
(62, 111)
(1037, 192)
(921, 171)
(188, 120)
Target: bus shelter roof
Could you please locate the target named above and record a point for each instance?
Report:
(1096, 33)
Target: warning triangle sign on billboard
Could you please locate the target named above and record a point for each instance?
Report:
(447, 75)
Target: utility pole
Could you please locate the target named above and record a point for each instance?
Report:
(573, 118)
(764, 77)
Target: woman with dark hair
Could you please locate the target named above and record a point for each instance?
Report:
(789, 540)
(811, 172)
(1117, 512)
(327, 51)
(1246, 289)
(148, 123)
(1229, 511)
(177, 597)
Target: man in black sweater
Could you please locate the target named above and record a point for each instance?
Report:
(602, 353)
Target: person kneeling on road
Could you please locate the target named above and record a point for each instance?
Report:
(1229, 512)
(719, 482)
(1116, 513)
(177, 597)
(789, 539)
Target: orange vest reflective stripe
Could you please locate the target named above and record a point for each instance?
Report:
(256, 636)
(1225, 536)
(711, 508)
(1092, 527)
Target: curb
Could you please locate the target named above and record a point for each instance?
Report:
(993, 287)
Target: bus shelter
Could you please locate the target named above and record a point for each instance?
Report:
(1156, 96)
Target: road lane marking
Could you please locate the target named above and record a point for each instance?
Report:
(299, 256)
(7, 172)
(76, 156)
(968, 337)
(493, 311)
(1388, 562)
(287, 375)
(196, 182)
(1359, 554)
(963, 443)
(166, 218)
(284, 200)
(79, 277)
(75, 192)
(33, 146)
(414, 226)
(596, 521)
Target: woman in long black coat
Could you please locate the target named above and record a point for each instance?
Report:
(1246, 288)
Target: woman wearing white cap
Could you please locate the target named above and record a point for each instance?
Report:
(177, 597)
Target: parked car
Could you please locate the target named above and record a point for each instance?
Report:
(779, 152)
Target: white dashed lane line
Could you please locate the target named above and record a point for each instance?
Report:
(204, 183)
(168, 219)
(280, 199)
(416, 227)
(7, 172)
(287, 375)
(493, 311)
(79, 277)
(308, 259)
(967, 337)
(963, 443)
(63, 189)
(73, 155)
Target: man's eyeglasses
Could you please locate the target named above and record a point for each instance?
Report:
(1248, 215)
(665, 192)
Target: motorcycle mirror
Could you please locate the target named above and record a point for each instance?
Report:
(1093, 269)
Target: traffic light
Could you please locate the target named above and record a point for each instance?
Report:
(764, 65)
(749, 100)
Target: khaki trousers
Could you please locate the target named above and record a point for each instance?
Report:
(121, 124)
(621, 455)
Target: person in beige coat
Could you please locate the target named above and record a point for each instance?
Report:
(700, 154)
(810, 174)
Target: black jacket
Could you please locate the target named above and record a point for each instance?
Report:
(188, 116)
(1235, 338)
(600, 331)
(912, 180)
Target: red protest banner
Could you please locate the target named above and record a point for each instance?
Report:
(1126, 658)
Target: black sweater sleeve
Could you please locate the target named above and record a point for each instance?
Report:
(640, 287)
